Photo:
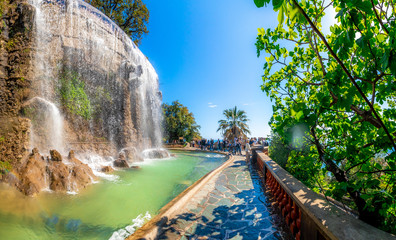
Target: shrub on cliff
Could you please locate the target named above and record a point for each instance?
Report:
(74, 96)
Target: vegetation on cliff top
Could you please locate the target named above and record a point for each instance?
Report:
(179, 122)
(131, 16)
(336, 93)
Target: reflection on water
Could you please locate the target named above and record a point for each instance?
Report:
(104, 208)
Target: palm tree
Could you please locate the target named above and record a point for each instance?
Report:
(235, 124)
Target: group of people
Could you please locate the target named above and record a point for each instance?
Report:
(235, 146)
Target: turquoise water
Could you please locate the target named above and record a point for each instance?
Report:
(103, 208)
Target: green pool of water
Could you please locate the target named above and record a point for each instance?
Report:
(103, 208)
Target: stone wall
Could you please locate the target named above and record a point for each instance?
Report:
(76, 41)
(46, 49)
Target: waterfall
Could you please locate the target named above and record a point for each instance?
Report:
(97, 86)
(47, 124)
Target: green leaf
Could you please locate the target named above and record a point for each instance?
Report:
(281, 16)
(365, 6)
(365, 196)
(277, 4)
(384, 61)
(259, 3)
(293, 11)
(361, 42)
(340, 13)
(392, 63)
(299, 115)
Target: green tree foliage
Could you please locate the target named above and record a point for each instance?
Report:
(131, 16)
(73, 95)
(179, 122)
(234, 125)
(278, 150)
(342, 88)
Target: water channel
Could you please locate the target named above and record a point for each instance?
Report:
(108, 209)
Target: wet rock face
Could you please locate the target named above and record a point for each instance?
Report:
(121, 162)
(155, 153)
(55, 156)
(58, 176)
(32, 174)
(81, 173)
(131, 155)
(107, 169)
(37, 173)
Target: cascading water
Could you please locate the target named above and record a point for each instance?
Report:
(47, 124)
(105, 88)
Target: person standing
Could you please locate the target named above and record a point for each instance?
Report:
(247, 151)
(238, 147)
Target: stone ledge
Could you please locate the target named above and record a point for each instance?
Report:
(331, 221)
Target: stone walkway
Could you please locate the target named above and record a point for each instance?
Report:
(232, 205)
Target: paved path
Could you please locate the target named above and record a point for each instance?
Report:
(231, 205)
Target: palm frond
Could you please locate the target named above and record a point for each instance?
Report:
(234, 124)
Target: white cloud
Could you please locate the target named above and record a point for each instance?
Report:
(212, 106)
(245, 104)
(210, 103)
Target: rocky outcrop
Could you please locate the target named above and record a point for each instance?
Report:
(55, 156)
(38, 173)
(131, 155)
(121, 162)
(81, 173)
(58, 175)
(107, 169)
(32, 174)
(155, 153)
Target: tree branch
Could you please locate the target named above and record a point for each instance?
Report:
(346, 72)
(366, 115)
(378, 18)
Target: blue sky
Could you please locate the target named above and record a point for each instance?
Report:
(205, 57)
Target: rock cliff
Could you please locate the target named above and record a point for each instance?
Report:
(70, 79)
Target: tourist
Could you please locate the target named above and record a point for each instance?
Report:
(203, 144)
(247, 150)
(238, 147)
